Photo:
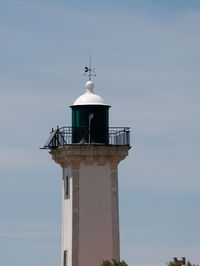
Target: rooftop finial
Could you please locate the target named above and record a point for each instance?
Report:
(89, 71)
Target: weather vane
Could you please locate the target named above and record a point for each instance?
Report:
(89, 71)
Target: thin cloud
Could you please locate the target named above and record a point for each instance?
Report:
(12, 157)
(32, 225)
(28, 234)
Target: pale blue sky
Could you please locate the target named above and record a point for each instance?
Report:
(147, 58)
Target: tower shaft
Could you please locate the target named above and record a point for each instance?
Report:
(90, 212)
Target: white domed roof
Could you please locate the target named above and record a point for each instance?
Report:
(89, 97)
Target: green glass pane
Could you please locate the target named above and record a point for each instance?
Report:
(77, 118)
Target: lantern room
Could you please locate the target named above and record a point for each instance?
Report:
(90, 118)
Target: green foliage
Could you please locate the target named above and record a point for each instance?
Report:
(114, 263)
(173, 264)
(178, 263)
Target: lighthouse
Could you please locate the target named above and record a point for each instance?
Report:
(89, 152)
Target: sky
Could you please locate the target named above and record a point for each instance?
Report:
(147, 60)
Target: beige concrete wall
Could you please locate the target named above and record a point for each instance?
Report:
(95, 214)
(90, 230)
(67, 218)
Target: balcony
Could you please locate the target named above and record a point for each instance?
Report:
(112, 136)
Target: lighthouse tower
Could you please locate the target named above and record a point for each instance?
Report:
(89, 153)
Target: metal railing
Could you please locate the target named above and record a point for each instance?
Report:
(114, 136)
